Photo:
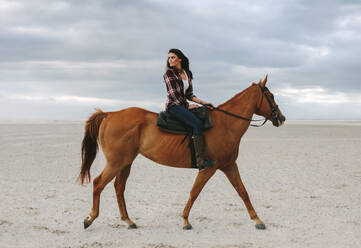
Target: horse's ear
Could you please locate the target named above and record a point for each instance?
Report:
(263, 83)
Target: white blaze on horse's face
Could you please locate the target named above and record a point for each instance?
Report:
(174, 60)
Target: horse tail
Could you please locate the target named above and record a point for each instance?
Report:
(89, 145)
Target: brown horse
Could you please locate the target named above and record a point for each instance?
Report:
(126, 133)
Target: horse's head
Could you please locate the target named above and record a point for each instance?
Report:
(266, 106)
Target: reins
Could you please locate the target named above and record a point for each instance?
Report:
(239, 117)
(247, 119)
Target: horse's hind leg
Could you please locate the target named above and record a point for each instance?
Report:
(109, 172)
(233, 176)
(201, 180)
(119, 186)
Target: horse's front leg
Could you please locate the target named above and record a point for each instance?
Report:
(233, 176)
(202, 178)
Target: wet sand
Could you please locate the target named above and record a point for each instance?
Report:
(304, 180)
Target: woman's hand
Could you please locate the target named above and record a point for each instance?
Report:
(192, 106)
(209, 105)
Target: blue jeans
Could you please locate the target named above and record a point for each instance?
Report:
(186, 116)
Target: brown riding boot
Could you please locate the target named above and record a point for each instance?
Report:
(199, 147)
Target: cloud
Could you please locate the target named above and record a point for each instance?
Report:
(318, 95)
(116, 50)
(79, 100)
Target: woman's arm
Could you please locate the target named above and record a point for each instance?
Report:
(173, 89)
(199, 101)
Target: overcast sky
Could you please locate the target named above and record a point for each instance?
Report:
(61, 59)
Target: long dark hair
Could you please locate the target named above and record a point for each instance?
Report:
(184, 62)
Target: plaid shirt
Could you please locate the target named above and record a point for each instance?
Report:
(175, 89)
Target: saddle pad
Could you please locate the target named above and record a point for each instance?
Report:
(170, 124)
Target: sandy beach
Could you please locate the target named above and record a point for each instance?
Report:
(304, 180)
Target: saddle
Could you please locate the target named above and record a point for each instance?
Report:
(170, 124)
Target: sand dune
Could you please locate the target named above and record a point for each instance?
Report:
(304, 180)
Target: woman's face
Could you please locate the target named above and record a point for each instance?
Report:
(174, 60)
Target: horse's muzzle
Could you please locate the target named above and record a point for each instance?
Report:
(277, 118)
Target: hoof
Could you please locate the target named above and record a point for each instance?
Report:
(260, 226)
(132, 226)
(187, 227)
(87, 223)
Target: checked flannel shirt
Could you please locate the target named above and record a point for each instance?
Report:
(175, 89)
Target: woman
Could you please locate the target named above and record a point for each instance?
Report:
(178, 80)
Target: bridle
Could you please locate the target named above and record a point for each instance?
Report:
(274, 114)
